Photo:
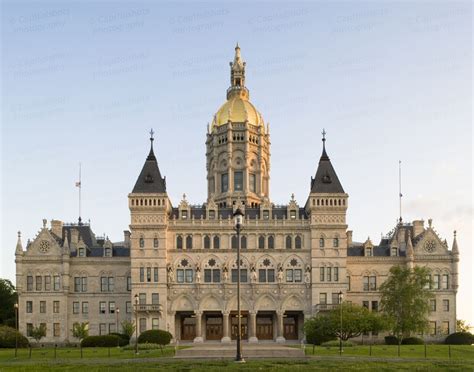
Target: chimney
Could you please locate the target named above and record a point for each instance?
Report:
(349, 238)
(418, 227)
(126, 238)
(74, 236)
(57, 228)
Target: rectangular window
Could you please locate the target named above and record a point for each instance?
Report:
(271, 275)
(348, 283)
(238, 181)
(47, 283)
(142, 298)
(252, 182)
(56, 307)
(323, 298)
(262, 275)
(103, 284)
(102, 307)
(111, 328)
(293, 217)
(289, 275)
(336, 274)
(298, 274)
(43, 307)
(148, 274)
(29, 306)
(216, 275)
(142, 274)
(180, 276)
(56, 283)
(266, 215)
(29, 283)
(129, 283)
(445, 281)
(85, 307)
(335, 298)
(445, 328)
(375, 306)
(436, 282)
(432, 328)
(445, 305)
(142, 323)
(77, 284)
(432, 305)
(321, 274)
(56, 330)
(84, 284)
(154, 323)
(39, 283)
(29, 329)
(112, 307)
(207, 276)
(128, 307)
(373, 283)
(243, 275)
(224, 182)
(328, 273)
(155, 298)
(212, 216)
(365, 304)
(102, 329)
(155, 274)
(111, 283)
(366, 283)
(189, 275)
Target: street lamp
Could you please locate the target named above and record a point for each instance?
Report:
(340, 335)
(136, 323)
(16, 328)
(238, 220)
(117, 312)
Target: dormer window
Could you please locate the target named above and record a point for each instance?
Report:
(212, 215)
(394, 252)
(368, 252)
(81, 252)
(108, 252)
(266, 214)
(148, 178)
(293, 215)
(184, 215)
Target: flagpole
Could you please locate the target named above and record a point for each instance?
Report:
(80, 187)
(400, 187)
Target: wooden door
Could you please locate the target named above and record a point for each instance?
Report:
(290, 327)
(188, 328)
(265, 327)
(235, 327)
(214, 329)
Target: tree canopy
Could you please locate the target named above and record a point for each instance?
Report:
(8, 298)
(405, 300)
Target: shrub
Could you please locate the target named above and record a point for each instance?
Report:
(155, 336)
(7, 338)
(335, 343)
(460, 338)
(412, 341)
(101, 341)
(391, 340)
(318, 330)
(124, 339)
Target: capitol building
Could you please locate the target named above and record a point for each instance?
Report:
(176, 267)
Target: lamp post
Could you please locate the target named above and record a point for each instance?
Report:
(340, 335)
(136, 323)
(117, 312)
(16, 328)
(238, 219)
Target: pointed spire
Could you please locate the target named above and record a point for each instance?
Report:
(324, 155)
(19, 246)
(455, 248)
(410, 251)
(237, 58)
(151, 155)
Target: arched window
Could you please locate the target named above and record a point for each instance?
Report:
(321, 242)
(288, 242)
(330, 202)
(207, 242)
(243, 242)
(142, 242)
(189, 242)
(216, 242)
(261, 242)
(155, 243)
(317, 203)
(335, 242)
(271, 242)
(298, 242)
(179, 242)
(233, 242)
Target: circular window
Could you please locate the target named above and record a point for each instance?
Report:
(266, 262)
(293, 262)
(212, 262)
(184, 263)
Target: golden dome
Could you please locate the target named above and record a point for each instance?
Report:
(237, 110)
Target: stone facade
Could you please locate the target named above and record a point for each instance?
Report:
(176, 268)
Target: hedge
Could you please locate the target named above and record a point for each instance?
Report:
(412, 341)
(460, 338)
(155, 336)
(7, 338)
(391, 340)
(101, 341)
(124, 339)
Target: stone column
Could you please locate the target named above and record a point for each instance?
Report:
(171, 325)
(198, 337)
(280, 337)
(252, 327)
(225, 323)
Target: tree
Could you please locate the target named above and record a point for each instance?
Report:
(128, 328)
(462, 326)
(405, 300)
(319, 329)
(80, 330)
(39, 332)
(8, 298)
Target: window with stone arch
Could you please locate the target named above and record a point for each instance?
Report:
(189, 242)
(179, 242)
(335, 242)
(266, 270)
(216, 242)
(288, 242)
(155, 242)
(294, 270)
(271, 242)
(212, 270)
(298, 242)
(184, 271)
(244, 271)
(142, 242)
(261, 242)
(207, 242)
(321, 242)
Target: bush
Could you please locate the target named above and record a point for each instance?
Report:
(413, 341)
(155, 336)
(101, 341)
(335, 343)
(7, 338)
(391, 340)
(124, 339)
(317, 331)
(460, 338)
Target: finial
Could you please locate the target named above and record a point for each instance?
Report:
(324, 155)
(19, 234)
(430, 222)
(45, 221)
(151, 134)
(454, 234)
(324, 135)
(184, 196)
(292, 197)
(237, 45)
(151, 155)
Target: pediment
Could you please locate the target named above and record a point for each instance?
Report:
(430, 243)
(45, 244)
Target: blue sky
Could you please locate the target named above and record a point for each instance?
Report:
(84, 82)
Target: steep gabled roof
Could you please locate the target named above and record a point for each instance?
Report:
(326, 180)
(150, 180)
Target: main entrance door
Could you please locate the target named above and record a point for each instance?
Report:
(188, 328)
(290, 327)
(235, 326)
(213, 327)
(265, 327)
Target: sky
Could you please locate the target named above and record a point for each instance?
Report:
(83, 82)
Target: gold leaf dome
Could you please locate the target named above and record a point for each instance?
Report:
(237, 110)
